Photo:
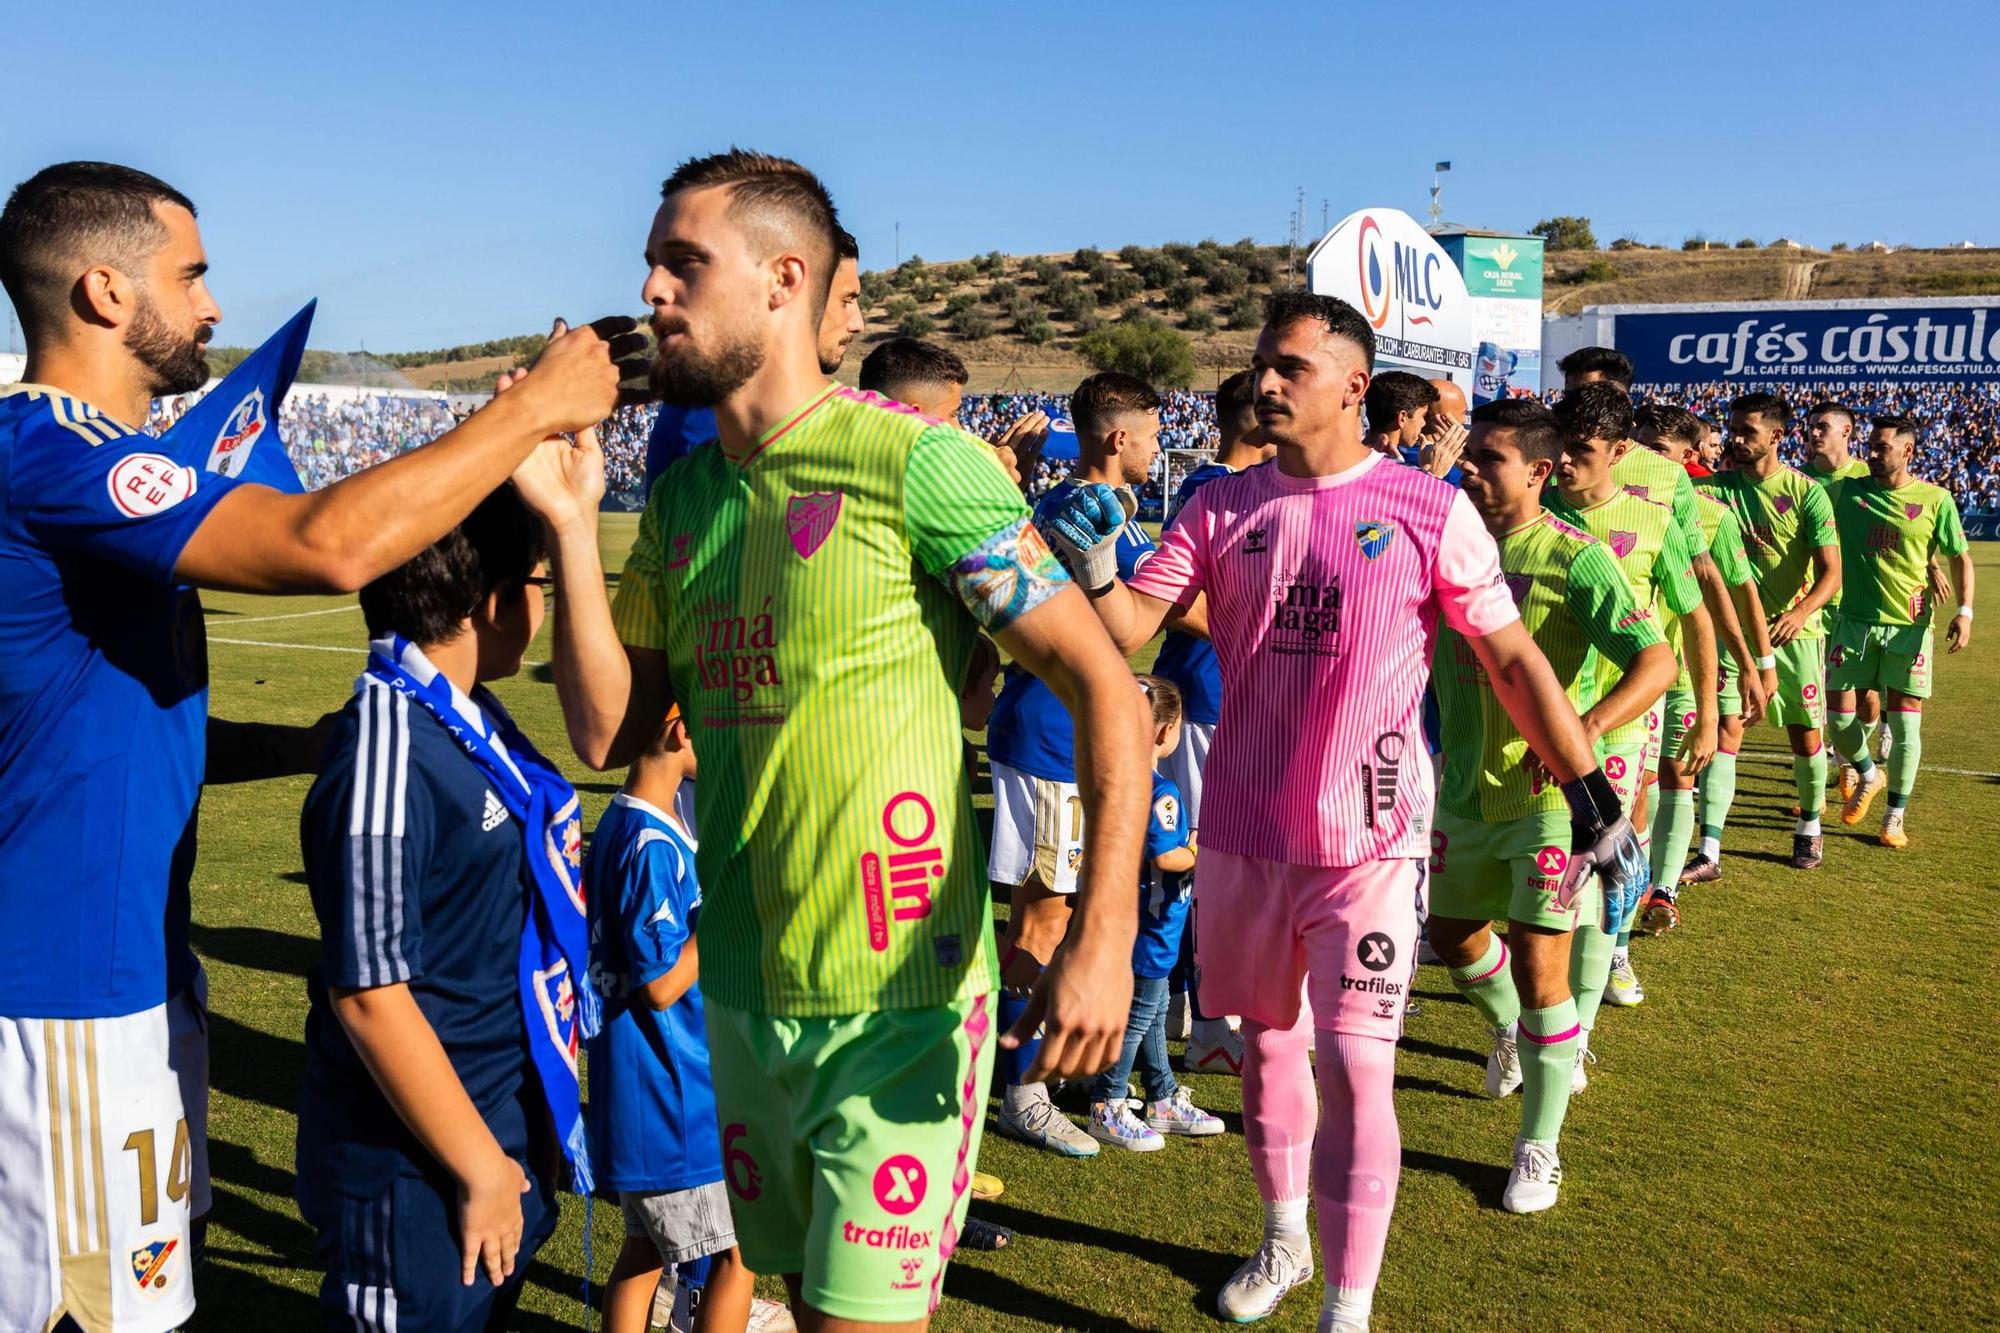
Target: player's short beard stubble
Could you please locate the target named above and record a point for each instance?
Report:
(177, 361)
(683, 375)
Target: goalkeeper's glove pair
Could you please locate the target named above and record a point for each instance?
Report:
(1084, 530)
(1602, 842)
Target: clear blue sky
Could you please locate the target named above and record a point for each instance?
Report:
(439, 175)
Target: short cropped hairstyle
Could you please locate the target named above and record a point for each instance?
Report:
(903, 363)
(1103, 396)
(1830, 409)
(1897, 424)
(1669, 422)
(777, 201)
(1236, 396)
(1599, 410)
(1609, 362)
(1285, 309)
(425, 598)
(1165, 697)
(1534, 426)
(845, 246)
(68, 217)
(1395, 392)
(1766, 405)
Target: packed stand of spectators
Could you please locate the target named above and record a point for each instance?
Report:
(623, 438)
(1187, 421)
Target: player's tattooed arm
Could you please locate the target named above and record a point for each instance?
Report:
(1006, 576)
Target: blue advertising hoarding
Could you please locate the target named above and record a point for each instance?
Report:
(1886, 341)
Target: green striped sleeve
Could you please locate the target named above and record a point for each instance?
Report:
(1673, 572)
(955, 496)
(1731, 560)
(1950, 534)
(1600, 601)
(1685, 516)
(1816, 519)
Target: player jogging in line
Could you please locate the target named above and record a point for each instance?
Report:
(1647, 540)
(1188, 660)
(104, 706)
(1891, 527)
(1672, 432)
(1830, 463)
(1039, 824)
(1788, 534)
(1501, 843)
(808, 589)
(1325, 576)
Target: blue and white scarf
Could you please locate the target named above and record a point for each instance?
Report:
(558, 1012)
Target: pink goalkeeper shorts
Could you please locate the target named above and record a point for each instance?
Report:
(1347, 935)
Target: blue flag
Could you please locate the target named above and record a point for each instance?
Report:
(233, 430)
(1062, 435)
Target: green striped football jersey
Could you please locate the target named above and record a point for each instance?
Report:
(801, 596)
(1651, 477)
(1886, 541)
(1784, 518)
(1581, 614)
(1832, 483)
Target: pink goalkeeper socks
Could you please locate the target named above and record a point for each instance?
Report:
(1279, 1108)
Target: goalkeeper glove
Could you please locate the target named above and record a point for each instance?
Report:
(1084, 532)
(1602, 842)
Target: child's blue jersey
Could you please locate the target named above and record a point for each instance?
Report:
(652, 1103)
(1163, 895)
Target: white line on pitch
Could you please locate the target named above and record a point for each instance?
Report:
(295, 615)
(321, 648)
(1786, 760)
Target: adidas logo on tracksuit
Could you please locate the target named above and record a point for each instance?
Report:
(496, 814)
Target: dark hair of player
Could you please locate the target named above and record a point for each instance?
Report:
(1165, 696)
(1897, 424)
(845, 246)
(1342, 320)
(1766, 405)
(1609, 362)
(1236, 399)
(776, 201)
(1831, 410)
(1534, 426)
(425, 598)
(1599, 410)
(1104, 396)
(1395, 392)
(1669, 422)
(901, 364)
(68, 217)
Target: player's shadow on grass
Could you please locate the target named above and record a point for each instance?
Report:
(1002, 1295)
(255, 1066)
(1437, 1052)
(1418, 1083)
(1207, 1269)
(230, 1295)
(255, 947)
(1485, 1181)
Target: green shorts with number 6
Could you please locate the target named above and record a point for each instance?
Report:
(1879, 657)
(848, 1146)
(1507, 871)
(1801, 700)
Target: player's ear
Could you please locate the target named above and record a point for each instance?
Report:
(104, 296)
(788, 278)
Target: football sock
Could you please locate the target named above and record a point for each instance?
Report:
(1548, 1050)
(1589, 960)
(1285, 1220)
(1907, 730)
(1015, 1064)
(1673, 829)
(1357, 1156)
(1718, 792)
(1280, 1112)
(1851, 739)
(1489, 985)
(1018, 1097)
(1809, 780)
(1343, 1303)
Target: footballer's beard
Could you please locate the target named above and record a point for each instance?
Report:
(684, 376)
(178, 364)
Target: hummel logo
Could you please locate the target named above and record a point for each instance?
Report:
(496, 814)
(1254, 543)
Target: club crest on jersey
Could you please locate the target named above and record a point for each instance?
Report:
(1911, 511)
(1622, 543)
(1783, 504)
(238, 434)
(810, 518)
(1374, 536)
(149, 1267)
(1642, 492)
(1520, 585)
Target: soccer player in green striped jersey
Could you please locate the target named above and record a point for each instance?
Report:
(1647, 539)
(1891, 527)
(1831, 464)
(1497, 848)
(1788, 534)
(1672, 433)
(808, 589)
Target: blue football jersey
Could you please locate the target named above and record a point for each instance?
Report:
(1163, 895)
(1029, 728)
(652, 1102)
(103, 709)
(1188, 660)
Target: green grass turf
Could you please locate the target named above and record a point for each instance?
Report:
(1797, 1130)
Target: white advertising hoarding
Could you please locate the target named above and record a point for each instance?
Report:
(1382, 263)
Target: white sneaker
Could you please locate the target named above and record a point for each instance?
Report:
(1220, 1057)
(1179, 1115)
(1624, 989)
(1537, 1174)
(1040, 1125)
(770, 1317)
(1180, 1023)
(1113, 1123)
(1332, 1323)
(1503, 1066)
(1578, 1080)
(1256, 1288)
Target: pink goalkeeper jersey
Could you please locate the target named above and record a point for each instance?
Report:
(1323, 599)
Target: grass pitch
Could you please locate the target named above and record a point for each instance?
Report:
(1797, 1129)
